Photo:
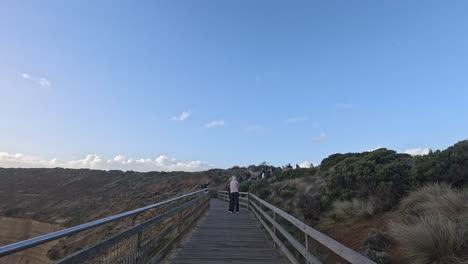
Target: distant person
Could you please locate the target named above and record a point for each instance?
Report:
(234, 189)
(228, 189)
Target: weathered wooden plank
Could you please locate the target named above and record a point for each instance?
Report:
(222, 237)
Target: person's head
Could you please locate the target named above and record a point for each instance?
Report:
(233, 178)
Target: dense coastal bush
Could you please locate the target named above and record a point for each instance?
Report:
(449, 166)
(381, 176)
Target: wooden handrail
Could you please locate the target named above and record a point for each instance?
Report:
(278, 242)
(333, 245)
(304, 252)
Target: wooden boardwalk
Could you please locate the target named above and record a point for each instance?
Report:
(221, 237)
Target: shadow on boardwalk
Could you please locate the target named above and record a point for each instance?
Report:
(221, 237)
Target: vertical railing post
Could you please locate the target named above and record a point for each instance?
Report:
(209, 201)
(248, 200)
(274, 228)
(138, 249)
(180, 220)
(306, 245)
(134, 219)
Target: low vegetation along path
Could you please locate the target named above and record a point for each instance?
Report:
(222, 237)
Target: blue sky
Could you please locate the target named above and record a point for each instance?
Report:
(87, 83)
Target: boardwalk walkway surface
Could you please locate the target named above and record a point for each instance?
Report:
(221, 237)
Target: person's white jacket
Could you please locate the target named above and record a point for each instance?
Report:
(234, 185)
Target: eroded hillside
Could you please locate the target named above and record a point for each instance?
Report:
(16, 229)
(67, 197)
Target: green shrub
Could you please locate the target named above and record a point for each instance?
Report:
(261, 188)
(363, 208)
(12, 211)
(341, 210)
(245, 186)
(382, 174)
(287, 192)
(377, 256)
(449, 166)
(310, 205)
(376, 240)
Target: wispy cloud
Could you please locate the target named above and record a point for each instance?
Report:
(215, 123)
(95, 161)
(344, 106)
(44, 82)
(41, 81)
(182, 116)
(321, 138)
(417, 151)
(296, 119)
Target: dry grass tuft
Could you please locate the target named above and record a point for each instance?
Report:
(440, 198)
(434, 225)
(429, 239)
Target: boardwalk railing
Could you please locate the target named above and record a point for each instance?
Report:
(272, 218)
(146, 242)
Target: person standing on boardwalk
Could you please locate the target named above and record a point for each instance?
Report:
(228, 189)
(234, 189)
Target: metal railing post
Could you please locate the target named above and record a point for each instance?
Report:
(138, 255)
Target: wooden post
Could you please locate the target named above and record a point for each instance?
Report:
(274, 228)
(306, 245)
(248, 200)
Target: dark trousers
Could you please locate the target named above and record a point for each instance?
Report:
(230, 203)
(234, 201)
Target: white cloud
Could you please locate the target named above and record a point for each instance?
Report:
(305, 164)
(94, 161)
(41, 81)
(296, 119)
(321, 138)
(182, 116)
(417, 151)
(344, 106)
(215, 123)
